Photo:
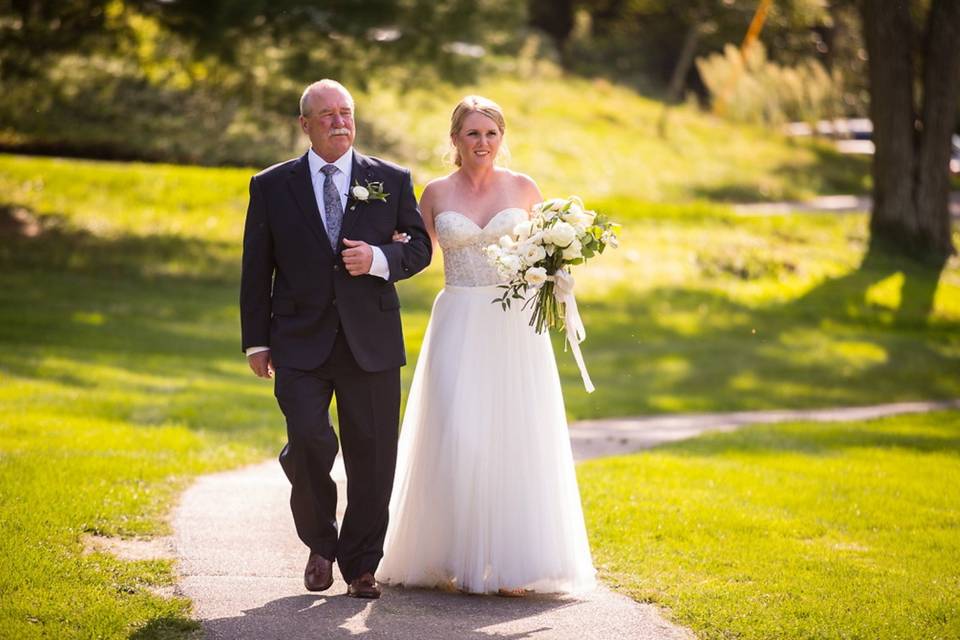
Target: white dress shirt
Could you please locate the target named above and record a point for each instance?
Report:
(341, 180)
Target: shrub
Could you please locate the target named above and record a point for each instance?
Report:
(750, 88)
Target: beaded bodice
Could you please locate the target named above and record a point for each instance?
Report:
(462, 241)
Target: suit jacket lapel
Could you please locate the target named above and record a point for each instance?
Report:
(360, 175)
(302, 187)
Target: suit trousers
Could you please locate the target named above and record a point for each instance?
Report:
(368, 407)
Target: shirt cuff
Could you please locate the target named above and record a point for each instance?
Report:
(253, 350)
(379, 266)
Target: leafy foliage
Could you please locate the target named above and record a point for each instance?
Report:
(748, 87)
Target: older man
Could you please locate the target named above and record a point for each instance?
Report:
(320, 311)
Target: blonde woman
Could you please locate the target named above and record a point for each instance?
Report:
(485, 498)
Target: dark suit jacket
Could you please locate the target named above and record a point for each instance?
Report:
(295, 293)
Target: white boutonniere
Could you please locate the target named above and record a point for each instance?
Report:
(373, 191)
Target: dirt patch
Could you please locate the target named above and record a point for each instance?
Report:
(131, 548)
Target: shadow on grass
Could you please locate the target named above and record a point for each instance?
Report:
(83, 310)
(167, 628)
(48, 243)
(832, 173)
(830, 347)
(843, 298)
(146, 328)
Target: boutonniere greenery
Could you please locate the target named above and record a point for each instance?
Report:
(372, 191)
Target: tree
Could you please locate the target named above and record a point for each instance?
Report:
(555, 18)
(33, 30)
(345, 38)
(913, 119)
(652, 43)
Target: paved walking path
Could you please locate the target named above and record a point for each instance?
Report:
(616, 436)
(826, 204)
(242, 564)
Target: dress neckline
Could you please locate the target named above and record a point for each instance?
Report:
(471, 220)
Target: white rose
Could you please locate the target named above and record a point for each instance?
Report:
(573, 251)
(535, 276)
(522, 230)
(506, 242)
(493, 252)
(560, 234)
(610, 239)
(579, 218)
(361, 193)
(509, 265)
(550, 209)
(532, 253)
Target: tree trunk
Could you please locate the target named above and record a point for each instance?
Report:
(941, 89)
(684, 60)
(555, 17)
(888, 31)
(911, 181)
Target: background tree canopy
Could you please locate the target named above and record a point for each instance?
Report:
(216, 82)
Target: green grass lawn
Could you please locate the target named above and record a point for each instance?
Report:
(848, 530)
(121, 375)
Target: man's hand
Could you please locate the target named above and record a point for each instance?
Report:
(357, 257)
(261, 364)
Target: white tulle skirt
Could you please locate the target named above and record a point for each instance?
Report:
(485, 496)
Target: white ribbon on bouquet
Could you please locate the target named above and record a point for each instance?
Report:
(576, 332)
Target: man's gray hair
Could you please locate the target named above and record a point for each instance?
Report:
(326, 83)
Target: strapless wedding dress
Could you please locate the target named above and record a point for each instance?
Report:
(485, 496)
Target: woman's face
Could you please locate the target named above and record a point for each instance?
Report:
(478, 140)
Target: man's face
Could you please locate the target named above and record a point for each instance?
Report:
(330, 125)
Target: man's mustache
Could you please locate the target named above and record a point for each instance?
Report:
(339, 132)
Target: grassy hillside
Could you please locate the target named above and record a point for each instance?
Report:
(591, 137)
(572, 134)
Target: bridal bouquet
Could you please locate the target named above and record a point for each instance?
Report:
(559, 234)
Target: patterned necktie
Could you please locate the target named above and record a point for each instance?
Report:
(332, 206)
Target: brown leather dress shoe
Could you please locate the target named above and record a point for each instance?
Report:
(318, 576)
(364, 587)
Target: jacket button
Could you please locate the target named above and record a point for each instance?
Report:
(336, 267)
(334, 302)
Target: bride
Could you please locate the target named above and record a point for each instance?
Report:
(485, 498)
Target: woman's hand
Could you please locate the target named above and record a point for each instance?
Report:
(400, 237)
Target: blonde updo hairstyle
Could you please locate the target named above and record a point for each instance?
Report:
(477, 104)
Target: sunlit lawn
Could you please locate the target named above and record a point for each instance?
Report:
(715, 312)
(848, 530)
(121, 374)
